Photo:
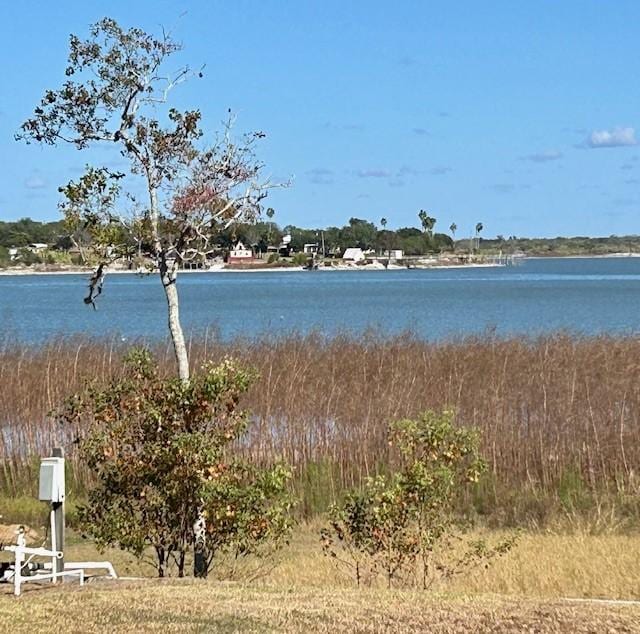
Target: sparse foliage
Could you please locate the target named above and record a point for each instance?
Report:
(402, 524)
(116, 93)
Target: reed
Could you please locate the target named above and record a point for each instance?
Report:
(558, 414)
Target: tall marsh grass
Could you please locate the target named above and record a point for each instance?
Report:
(559, 415)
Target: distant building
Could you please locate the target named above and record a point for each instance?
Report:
(13, 253)
(239, 254)
(396, 254)
(285, 246)
(353, 253)
(38, 247)
(310, 248)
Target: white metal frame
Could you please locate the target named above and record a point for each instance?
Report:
(53, 490)
(88, 565)
(24, 554)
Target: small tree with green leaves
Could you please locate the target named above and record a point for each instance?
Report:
(403, 524)
(162, 453)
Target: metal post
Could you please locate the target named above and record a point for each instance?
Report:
(57, 536)
(17, 572)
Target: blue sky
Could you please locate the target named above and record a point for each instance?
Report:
(521, 115)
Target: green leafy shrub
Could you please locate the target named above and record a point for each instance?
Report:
(161, 451)
(273, 258)
(299, 259)
(402, 524)
(28, 257)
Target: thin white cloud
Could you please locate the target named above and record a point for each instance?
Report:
(503, 188)
(542, 157)
(321, 176)
(440, 170)
(407, 170)
(616, 137)
(374, 173)
(624, 202)
(35, 181)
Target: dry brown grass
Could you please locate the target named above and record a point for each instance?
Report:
(541, 565)
(190, 606)
(559, 415)
(306, 593)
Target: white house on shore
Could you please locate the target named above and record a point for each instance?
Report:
(354, 254)
(35, 247)
(240, 254)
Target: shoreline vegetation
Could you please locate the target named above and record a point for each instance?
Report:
(240, 268)
(558, 415)
(261, 267)
(42, 247)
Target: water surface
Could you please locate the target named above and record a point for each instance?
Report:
(581, 295)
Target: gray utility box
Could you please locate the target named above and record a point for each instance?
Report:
(52, 480)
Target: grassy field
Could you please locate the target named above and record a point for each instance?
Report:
(189, 606)
(542, 565)
(527, 590)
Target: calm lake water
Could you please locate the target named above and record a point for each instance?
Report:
(584, 296)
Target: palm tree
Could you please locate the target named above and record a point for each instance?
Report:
(453, 227)
(383, 222)
(270, 213)
(428, 222)
(479, 228)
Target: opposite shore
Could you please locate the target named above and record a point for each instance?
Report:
(376, 266)
(42, 270)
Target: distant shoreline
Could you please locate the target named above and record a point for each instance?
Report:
(296, 269)
(279, 269)
(598, 256)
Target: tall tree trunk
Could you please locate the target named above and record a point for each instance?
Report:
(169, 277)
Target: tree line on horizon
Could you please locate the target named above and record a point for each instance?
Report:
(356, 233)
